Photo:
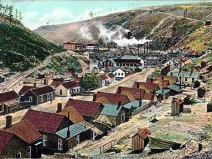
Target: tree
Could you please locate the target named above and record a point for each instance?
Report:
(89, 82)
(196, 84)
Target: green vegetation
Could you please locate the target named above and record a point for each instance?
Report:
(155, 74)
(62, 65)
(89, 82)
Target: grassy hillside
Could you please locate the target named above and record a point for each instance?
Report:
(165, 25)
(20, 48)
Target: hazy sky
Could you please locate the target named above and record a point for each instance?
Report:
(40, 12)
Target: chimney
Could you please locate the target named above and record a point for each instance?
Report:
(137, 84)
(68, 131)
(8, 121)
(129, 35)
(94, 97)
(140, 101)
(59, 107)
(119, 105)
(119, 90)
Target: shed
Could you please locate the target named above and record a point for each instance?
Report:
(209, 107)
(177, 106)
(140, 140)
(187, 109)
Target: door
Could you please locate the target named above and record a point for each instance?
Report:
(123, 118)
(18, 155)
(61, 92)
(30, 99)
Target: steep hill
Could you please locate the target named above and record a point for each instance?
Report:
(165, 25)
(20, 48)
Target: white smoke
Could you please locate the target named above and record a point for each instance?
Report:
(85, 33)
(117, 36)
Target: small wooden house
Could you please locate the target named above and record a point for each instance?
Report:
(177, 106)
(187, 109)
(140, 140)
(162, 94)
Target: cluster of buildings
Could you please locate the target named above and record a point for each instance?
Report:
(80, 47)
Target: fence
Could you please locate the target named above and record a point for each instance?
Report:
(107, 146)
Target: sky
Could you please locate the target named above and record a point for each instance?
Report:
(42, 12)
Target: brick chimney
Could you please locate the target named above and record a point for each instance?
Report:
(8, 121)
(119, 105)
(59, 107)
(94, 97)
(119, 90)
(68, 131)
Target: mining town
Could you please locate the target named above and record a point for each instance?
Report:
(116, 84)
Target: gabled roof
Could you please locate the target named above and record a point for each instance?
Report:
(144, 133)
(134, 104)
(24, 130)
(70, 84)
(75, 130)
(44, 121)
(56, 83)
(42, 90)
(111, 110)
(131, 93)
(7, 96)
(74, 116)
(175, 87)
(25, 89)
(162, 91)
(111, 98)
(85, 108)
(5, 138)
(111, 75)
(162, 83)
(103, 77)
(130, 57)
(148, 87)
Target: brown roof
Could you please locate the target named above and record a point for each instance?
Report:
(144, 133)
(25, 130)
(70, 84)
(103, 77)
(111, 75)
(85, 108)
(42, 90)
(7, 96)
(5, 138)
(74, 116)
(25, 89)
(56, 83)
(148, 87)
(111, 98)
(44, 121)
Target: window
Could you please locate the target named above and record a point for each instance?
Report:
(118, 74)
(52, 95)
(1, 108)
(29, 151)
(30, 99)
(122, 117)
(78, 139)
(18, 155)
(60, 144)
(41, 98)
(61, 92)
(44, 140)
(185, 78)
(48, 97)
(122, 74)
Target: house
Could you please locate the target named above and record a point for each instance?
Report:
(109, 63)
(130, 61)
(9, 102)
(25, 89)
(177, 106)
(72, 135)
(104, 80)
(2, 78)
(67, 89)
(111, 77)
(27, 132)
(119, 72)
(87, 109)
(48, 124)
(110, 98)
(56, 82)
(11, 146)
(115, 113)
(92, 47)
(140, 140)
(94, 65)
(175, 89)
(39, 95)
(73, 46)
(162, 93)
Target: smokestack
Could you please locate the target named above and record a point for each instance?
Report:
(94, 97)
(129, 35)
(119, 90)
(8, 121)
(68, 132)
(119, 105)
(59, 107)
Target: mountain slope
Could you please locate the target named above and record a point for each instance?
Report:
(20, 48)
(165, 25)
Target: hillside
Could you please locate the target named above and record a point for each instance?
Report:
(20, 48)
(165, 25)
